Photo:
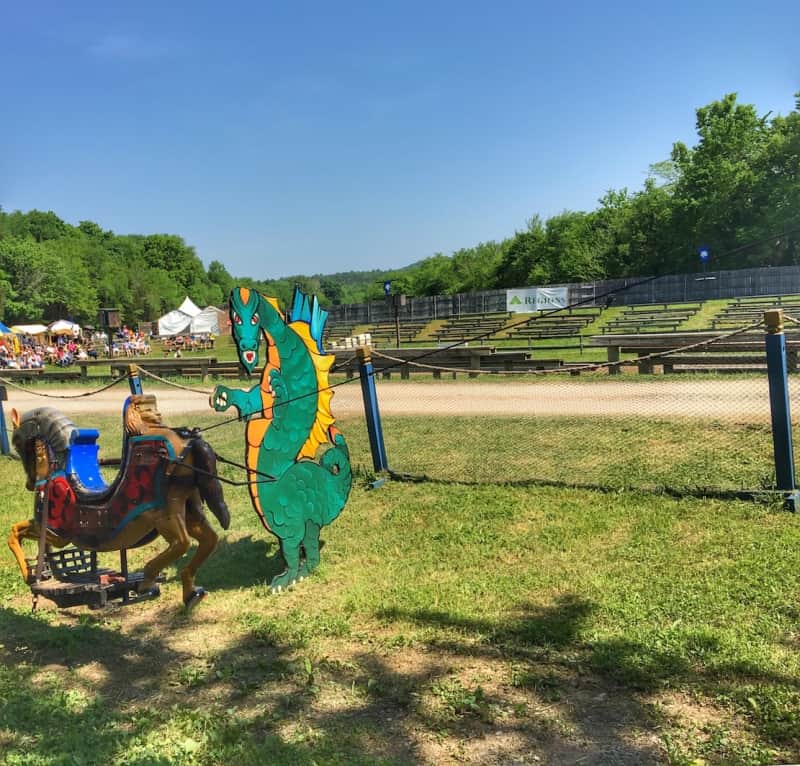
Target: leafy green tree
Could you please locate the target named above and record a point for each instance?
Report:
(523, 262)
(718, 178)
(332, 291)
(47, 285)
(218, 275)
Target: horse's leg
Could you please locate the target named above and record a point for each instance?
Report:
(29, 530)
(199, 528)
(172, 527)
(20, 531)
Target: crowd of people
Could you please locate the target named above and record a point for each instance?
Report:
(27, 352)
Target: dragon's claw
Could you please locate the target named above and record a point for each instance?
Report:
(219, 399)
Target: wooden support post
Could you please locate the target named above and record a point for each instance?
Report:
(613, 356)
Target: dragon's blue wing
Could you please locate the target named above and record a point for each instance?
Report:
(308, 310)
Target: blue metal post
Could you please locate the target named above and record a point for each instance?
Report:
(134, 380)
(370, 396)
(778, 375)
(4, 446)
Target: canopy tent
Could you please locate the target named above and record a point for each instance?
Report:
(4, 330)
(187, 307)
(174, 323)
(65, 327)
(206, 322)
(188, 318)
(29, 329)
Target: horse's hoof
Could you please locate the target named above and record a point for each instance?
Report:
(153, 592)
(196, 596)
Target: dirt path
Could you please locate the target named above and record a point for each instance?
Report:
(716, 398)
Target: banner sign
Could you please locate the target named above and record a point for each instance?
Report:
(536, 299)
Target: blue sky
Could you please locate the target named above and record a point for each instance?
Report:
(321, 137)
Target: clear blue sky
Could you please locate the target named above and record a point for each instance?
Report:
(320, 137)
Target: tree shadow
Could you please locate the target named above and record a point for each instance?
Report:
(606, 680)
(242, 563)
(84, 692)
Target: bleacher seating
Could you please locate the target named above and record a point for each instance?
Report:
(385, 333)
(742, 312)
(663, 317)
(546, 325)
(472, 326)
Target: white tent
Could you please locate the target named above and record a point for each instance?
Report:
(178, 321)
(174, 323)
(188, 307)
(207, 321)
(29, 329)
(65, 327)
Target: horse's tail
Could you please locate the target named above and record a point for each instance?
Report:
(207, 482)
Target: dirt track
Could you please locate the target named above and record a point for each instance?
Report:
(716, 398)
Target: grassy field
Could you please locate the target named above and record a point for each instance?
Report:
(448, 624)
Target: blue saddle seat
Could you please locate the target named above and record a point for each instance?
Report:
(82, 462)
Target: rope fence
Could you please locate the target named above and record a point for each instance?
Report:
(702, 434)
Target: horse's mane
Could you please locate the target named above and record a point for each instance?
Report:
(48, 424)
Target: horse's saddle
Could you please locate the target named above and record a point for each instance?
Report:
(81, 507)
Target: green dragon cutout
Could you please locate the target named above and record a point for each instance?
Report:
(290, 434)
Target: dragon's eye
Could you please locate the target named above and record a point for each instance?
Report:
(236, 318)
(254, 319)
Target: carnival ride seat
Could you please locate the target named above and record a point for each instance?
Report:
(83, 466)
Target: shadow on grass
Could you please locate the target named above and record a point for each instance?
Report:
(242, 563)
(562, 659)
(702, 493)
(85, 693)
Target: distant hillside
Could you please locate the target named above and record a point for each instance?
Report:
(362, 278)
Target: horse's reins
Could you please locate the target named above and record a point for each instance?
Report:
(180, 461)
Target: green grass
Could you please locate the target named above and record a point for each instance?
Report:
(448, 623)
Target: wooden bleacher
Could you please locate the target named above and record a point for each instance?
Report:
(742, 312)
(385, 333)
(335, 330)
(472, 326)
(647, 318)
(546, 325)
(742, 353)
(472, 360)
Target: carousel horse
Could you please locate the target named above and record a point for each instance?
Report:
(165, 476)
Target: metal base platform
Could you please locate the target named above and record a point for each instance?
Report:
(71, 577)
(93, 590)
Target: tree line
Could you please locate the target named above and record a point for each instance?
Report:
(736, 192)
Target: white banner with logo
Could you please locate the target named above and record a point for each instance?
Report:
(536, 299)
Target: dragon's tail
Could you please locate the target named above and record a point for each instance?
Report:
(336, 460)
(207, 482)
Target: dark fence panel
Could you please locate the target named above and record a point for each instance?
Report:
(673, 288)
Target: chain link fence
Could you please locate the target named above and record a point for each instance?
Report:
(694, 433)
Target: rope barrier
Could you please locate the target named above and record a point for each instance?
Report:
(173, 384)
(33, 391)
